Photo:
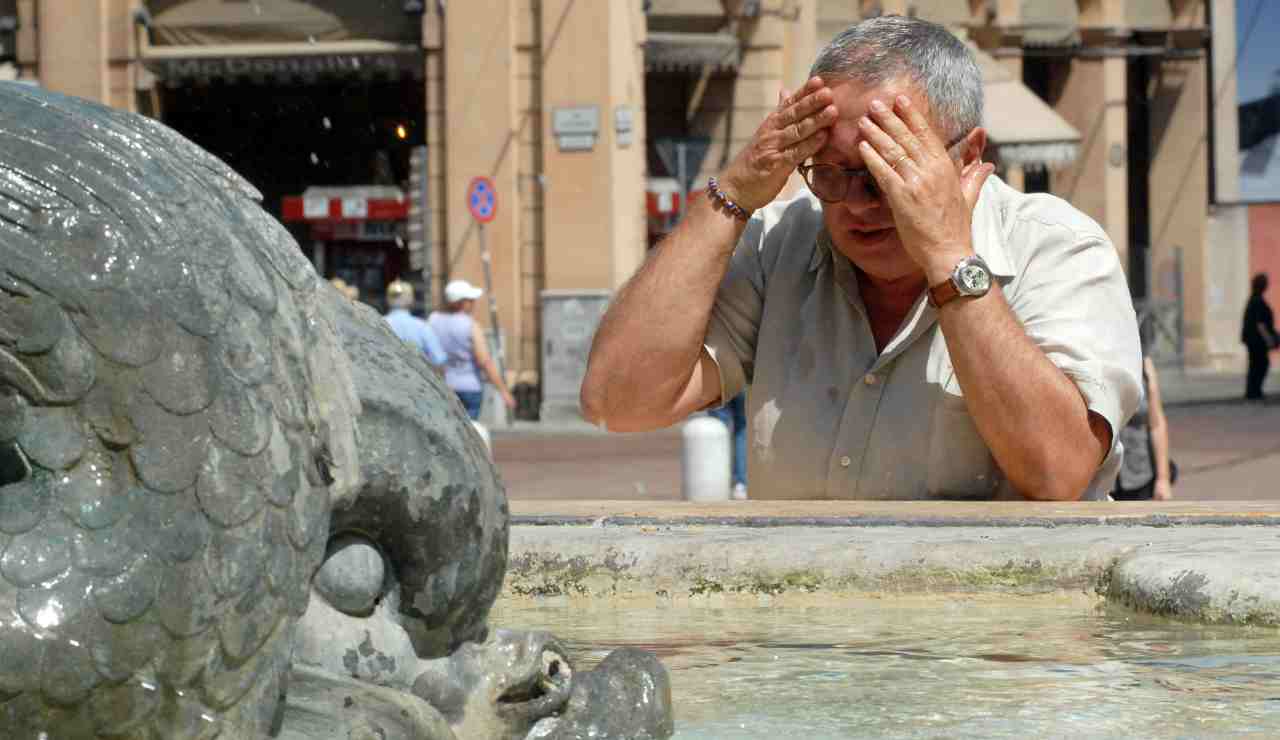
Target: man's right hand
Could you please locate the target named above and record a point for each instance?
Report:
(792, 133)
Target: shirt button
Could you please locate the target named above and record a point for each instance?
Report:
(870, 379)
(845, 461)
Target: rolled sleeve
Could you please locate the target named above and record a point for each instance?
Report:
(1074, 304)
(735, 316)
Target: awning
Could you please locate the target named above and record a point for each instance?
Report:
(221, 22)
(280, 41)
(347, 203)
(672, 51)
(1049, 23)
(1024, 131)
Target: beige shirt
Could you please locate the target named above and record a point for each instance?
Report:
(829, 418)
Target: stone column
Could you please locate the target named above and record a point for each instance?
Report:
(1179, 195)
(436, 246)
(85, 48)
(1093, 101)
(72, 40)
(1227, 230)
(592, 74)
(592, 153)
(482, 139)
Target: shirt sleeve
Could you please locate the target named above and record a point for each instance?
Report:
(735, 316)
(1073, 300)
(431, 346)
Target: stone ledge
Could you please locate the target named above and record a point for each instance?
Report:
(1235, 570)
(897, 513)
(1202, 584)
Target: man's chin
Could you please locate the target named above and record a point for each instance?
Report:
(860, 246)
(879, 254)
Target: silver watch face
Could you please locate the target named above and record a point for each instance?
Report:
(973, 279)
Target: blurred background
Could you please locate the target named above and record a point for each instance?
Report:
(363, 121)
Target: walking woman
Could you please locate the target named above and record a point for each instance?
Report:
(1147, 471)
(466, 348)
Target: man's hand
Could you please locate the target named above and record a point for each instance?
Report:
(1162, 491)
(932, 204)
(795, 131)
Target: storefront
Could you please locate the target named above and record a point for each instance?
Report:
(315, 103)
(358, 234)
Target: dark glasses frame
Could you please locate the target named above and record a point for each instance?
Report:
(869, 186)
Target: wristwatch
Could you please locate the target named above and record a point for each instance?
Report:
(970, 278)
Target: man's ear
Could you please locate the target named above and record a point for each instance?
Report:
(974, 146)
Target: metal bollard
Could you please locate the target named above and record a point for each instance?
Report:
(704, 461)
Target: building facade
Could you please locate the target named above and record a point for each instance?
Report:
(584, 116)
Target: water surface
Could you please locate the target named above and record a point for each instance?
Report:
(924, 667)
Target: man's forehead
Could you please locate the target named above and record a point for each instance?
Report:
(853, 97)
(853, 100)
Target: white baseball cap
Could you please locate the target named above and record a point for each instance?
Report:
(461, 290)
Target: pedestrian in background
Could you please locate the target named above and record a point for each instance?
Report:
(1258, 333)
(1147, 471)
(466, 348)
(410, 328)
(352, 292)
(734, 416)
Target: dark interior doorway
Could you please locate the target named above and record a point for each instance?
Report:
(284, 138)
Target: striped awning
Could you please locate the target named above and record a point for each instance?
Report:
(668, 51)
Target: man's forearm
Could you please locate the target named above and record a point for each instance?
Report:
(650, 339)
(1032, 417)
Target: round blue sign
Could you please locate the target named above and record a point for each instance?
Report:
(482, 199)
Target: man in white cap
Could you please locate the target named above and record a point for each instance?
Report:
(410, 328)
(468, 352)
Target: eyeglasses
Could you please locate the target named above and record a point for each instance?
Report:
(833, 183)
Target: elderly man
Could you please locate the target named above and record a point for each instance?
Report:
(910, 327)
(410, 328)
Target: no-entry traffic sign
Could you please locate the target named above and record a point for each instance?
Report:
(482, 199)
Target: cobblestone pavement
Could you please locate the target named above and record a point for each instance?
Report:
(1225, 451)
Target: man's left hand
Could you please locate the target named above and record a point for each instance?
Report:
(932, 203)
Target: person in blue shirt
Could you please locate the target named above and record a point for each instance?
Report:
(734, 416)
(410, 328)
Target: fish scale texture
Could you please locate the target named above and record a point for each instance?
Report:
(178, 420)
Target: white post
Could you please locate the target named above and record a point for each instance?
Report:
(483, 431)
(704, 461)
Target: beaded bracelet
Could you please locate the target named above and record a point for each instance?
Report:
(717, 195)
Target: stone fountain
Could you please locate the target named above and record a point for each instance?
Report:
(232, 503)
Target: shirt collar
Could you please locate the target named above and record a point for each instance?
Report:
(988, 237)
(822, 250)
(988, 234)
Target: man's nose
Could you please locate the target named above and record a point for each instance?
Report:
(858, 200)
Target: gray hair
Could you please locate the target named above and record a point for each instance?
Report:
(881, 49)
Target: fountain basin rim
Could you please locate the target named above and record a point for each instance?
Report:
(1214, 569)
(895, 513)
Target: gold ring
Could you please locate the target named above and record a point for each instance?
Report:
(898, 161)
